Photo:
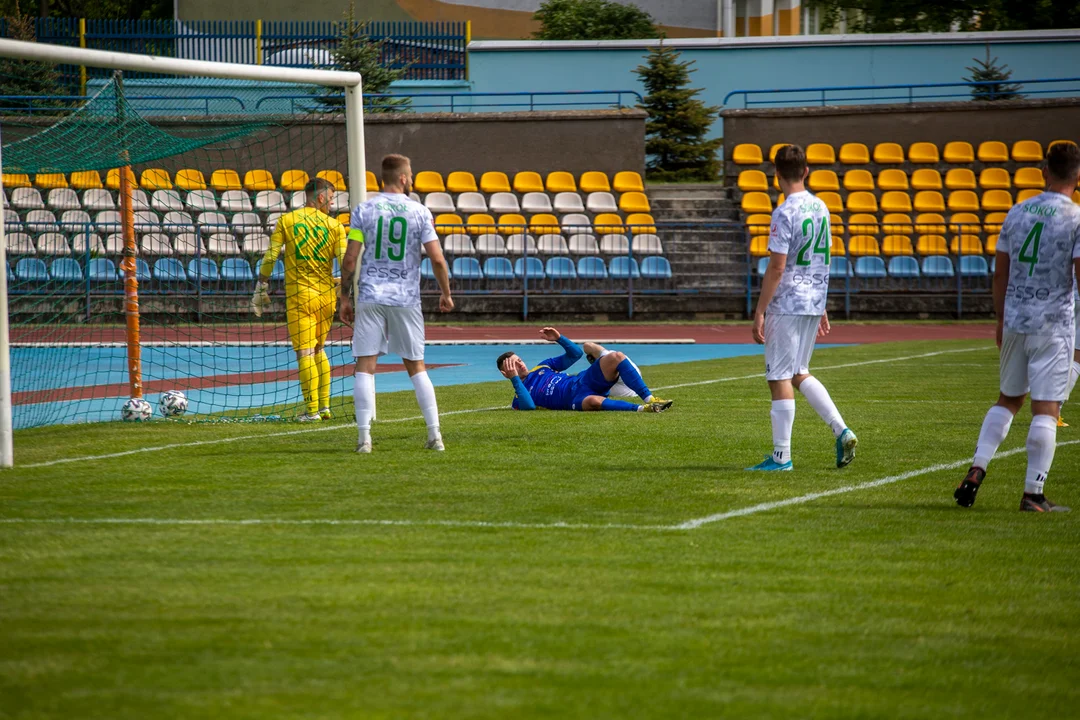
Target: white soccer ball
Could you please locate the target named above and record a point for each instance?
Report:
(136, 410)
(173, 403)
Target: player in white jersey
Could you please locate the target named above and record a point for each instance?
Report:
(1038, 258)
(391, 228)
(791, 311)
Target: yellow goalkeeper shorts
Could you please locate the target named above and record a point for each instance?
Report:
(309, 316)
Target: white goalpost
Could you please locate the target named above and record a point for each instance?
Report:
(349, 82)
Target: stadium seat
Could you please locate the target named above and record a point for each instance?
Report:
(966, 245)
(997, 200)
(490, 244)
(964, 222)
(52, 243)
(993, 151)
(461, 181)
(759, 224)
(860, 202)
(552, 244)
(820, 154)
(270, 201)
(892, 179)
(498, 268)
(774, 148)
(259, 180)
(256, 243)
(439, 202)
(186, 243)
(236, 270)
(529, 267)
(471, 202)
(560, 268)
(622, 268)
(823, 180)
(608, 223)
(1076, 196)
(528, 181)
(504, 202)
(897, 224)
(19, 243)
(201, 200)
(114, 244)
(169, 270)
(521, 244)
(511, 223)
(139, 199)
(753, 180)
(858, 180)
(655, 268)
(428, 181)
(639, 223)
(863, 224)
(560, 181)
(536, 202)
(63, 199)
(1027, 151)
(494, 182)
(897, 245)
(26, 198)
(335, 178)
(974, 266)
(931, 245)
(48, 181)
(634, 202)
(646, 244)
(756, 202)
(75, 221)
(930, 223)
(466, 268)
(991, 244)
(480, 223)
(83, 180)
(614, 244)
(583, 244)
(993, 221)
(963, 200)
(601, 202)
(223, 180)
(591, 268)
(567, 202)
(16, 180)
(108, 221)
(576, 222)
(759, 246)
(203, 270)
(65, 270)
(371, 183)
(904, 266)
(31, 269)
(780, 199)
(235, 201)
(937, 266)
(747, 154)
(762, 265)
(629, 181)
(926, 179)
(155, 179)
(294, 180)
(457, 244)
(447, 223)
(543, 223)
(98, 199)
(863, 245)
(427, 272)
(42, 221)
(958, 151)
(166, 200)
(1029, 177)
(222, 244)
(960, 179)
(888, 153)
(840, 266)
(895, 201)
(1027, 195)
(101, 270)
(837, 249)
(854, 154)
(594, 181)
(923, 153)
(870, 267)
(189, 179)
(994, 178)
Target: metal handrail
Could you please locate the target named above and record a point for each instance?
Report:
(82, 98)
(372, 100)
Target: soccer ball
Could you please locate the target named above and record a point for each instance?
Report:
(172, 403)
(136, 410)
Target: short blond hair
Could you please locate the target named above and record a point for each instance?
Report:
(393, 166)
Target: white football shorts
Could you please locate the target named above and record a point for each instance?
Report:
(789, 343)
(380, 329)
(1036, 364)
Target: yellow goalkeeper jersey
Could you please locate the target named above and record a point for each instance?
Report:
(311, 240)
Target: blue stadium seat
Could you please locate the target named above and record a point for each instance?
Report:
(904, 266)
(203, 269)
(624, 267)
(591, 268)
(278, 273)
(561, 268)
(101, 270)
(531, 265)
(426, 271)
(655, 268)
(498, 268)
(467, 268)
(973, 266)
(169, 270)
(32, 269)
(937, 266)
(337, 268)
(839, 267)
(66, 270)
(762, 265)
(142, 270)
(236, 270)
(870, 267)
(10, 273)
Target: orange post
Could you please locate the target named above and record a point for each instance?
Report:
(131, 282)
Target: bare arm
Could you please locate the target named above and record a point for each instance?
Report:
(1001, 287)
(442, 274)
(773, 274)
(348, 276)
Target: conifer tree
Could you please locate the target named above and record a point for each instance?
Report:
(989, 71)
(28, 77)
(357, 52)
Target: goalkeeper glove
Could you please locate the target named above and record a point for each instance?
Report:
(261, 299)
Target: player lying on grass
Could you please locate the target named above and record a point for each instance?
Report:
(548, 386)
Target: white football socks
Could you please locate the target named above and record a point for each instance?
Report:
(1041, 443)
(425, 397)
(783, 418)
(995, 428)
(364, 404)
(1073, 376)
(819, 399)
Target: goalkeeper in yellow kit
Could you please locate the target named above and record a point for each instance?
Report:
(311, 239)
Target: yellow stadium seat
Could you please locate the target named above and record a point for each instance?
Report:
(759, 245)
(511, 223)
(753, 181)
(861, 245)
(836, 222)
(780, 199)
(838, 246)
(1029, 177)
(832, 201)
(964, 224)
(628, 181)
(634, 202)
(461, 181)
(256, 180)
(776, 182)
(371, 183)
(888, 153)
(997, 200)
(480, 223)
(775, 149)
(994, 179)
(756, 202)
(960, 200)
(959, 151)
(594, 181)
(294, 180)
(493, 182)
(344, 219)
(931, 245)
(960, 179)
(447, 223)
(155, 179)
(335, 178)
(923, 152)
(544, 224)
(49, 181)
(608, 223)
(892, 179)
(222, 180)
(1027, 151)
(560, 181)
(641, 223)
(991, 244)
(190, 179)
(858, 180)
(863, 224)
(747, 154)
(112, 178)
(861, 202)
(1027, 195)
(897, 245)
(929, 201)
(897, 224)
(824, 180)
(1076, 197)
(17, 180)
(854, 154)
(1055, 142)
(87, 180)
(759, 224)
(993, 151)
(896, 201)
(428, 181)
(930, 223)
(528, 181)
(993, 221)
(926, 179)
(966, 245)
(820, 154)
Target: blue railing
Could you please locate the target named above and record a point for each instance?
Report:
(468, 101)
(188, 104)
(924, 92)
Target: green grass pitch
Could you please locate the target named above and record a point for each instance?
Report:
(886, 601)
